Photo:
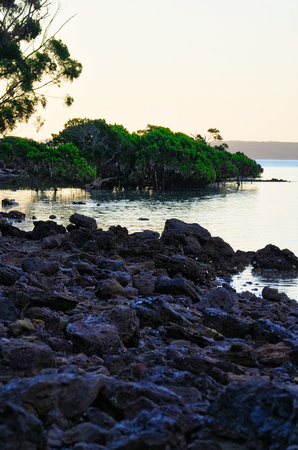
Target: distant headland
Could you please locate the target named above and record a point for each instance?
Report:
(265, 150)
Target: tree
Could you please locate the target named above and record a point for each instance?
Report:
(214, 135)
(246, 167)
(29, 60)
(44, 163)
(167, 160)
(108, 147)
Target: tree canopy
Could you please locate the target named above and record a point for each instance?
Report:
(155, 157)
(102, 155)
(29, 60)
(46, 164)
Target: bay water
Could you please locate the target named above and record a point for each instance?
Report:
(247, 217)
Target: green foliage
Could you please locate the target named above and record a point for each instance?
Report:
(45, 163)
(29, 60)
(155, 157)
(246, 167)
(108, 147)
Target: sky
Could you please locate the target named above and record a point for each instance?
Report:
(188, 65)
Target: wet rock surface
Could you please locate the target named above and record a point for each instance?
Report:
(118, 341)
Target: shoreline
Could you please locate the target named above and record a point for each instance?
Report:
(111, 340)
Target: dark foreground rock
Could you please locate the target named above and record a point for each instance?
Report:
(118, 341)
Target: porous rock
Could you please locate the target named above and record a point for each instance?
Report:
(95, 338)
(112, 340)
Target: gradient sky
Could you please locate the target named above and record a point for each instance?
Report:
(185, 64)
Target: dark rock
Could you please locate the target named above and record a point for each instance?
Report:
(265, 330)
(55, 300)
(16, 215)
(243, 354)
(267, 420)
(109, 288)
(157, 311)
(8, 310)
(200, 363)
(3, 331)
(117, 238)
(179, 264)
(84, 432)
(38, 265)
(60, 345)
(43, 229)
(83, 268)
(9, 275)
(100, 418)
(178, 286)
(32, 264)
(200, 335)
(52, 242)
(111, 264)
(79, 237)
(294, 357)
(175, 227)
(9, 202)
(9, 230)
(271, 257)
(145, 243)
(20, 429)
(91, 246)
(227, 324)
(273, 355)
(126, 321)
(49, 268)
(121, 277)
(150, 430)
(218, 249)
(95, 338)
(83, 221)
(26, 357)
(51, 319)
(270, 294)
(111, 340)
(68, 392)
(118, 394)
(220, 298)
(145, 282)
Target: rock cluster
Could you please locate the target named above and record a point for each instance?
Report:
(110, 340)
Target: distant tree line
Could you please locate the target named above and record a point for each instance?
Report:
(103, 155)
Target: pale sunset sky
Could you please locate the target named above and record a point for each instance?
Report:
(184, 64)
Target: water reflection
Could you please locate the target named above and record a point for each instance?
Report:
(254, 280)
(247, 218)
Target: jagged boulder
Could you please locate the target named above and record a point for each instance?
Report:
(256, 414)
(272, 257)
(44, 229)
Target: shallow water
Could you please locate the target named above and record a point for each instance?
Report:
(247, 218)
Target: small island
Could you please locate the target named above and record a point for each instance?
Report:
(94, 154)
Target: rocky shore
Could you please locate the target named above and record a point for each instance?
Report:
(110, 340)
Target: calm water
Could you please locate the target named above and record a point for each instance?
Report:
(257, 214)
